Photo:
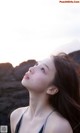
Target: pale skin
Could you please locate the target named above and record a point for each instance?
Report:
(38, 82)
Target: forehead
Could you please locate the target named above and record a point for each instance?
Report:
(49, 62)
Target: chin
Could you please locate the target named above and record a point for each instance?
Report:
(23, 83)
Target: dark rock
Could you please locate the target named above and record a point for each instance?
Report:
(12, 93)
(20, 70)
(76, 56)
(6, 71)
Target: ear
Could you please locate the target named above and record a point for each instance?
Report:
(52, 90)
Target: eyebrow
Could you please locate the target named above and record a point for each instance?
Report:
(44, 64)
(47, 66)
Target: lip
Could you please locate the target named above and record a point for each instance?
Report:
(26, 76)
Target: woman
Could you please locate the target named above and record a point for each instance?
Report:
(53, 99)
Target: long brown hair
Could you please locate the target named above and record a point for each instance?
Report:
(67, 100)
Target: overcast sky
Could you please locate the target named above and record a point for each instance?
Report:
(35, 28)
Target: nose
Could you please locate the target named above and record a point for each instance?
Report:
(31, 70)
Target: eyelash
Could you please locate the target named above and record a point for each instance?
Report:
(42, 68)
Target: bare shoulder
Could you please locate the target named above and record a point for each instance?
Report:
(15, 116)
(57, 124)
(17, 112)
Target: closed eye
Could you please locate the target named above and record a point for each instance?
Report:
(42, 69)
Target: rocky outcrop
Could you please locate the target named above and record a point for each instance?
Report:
(76, 56)
(12, 93)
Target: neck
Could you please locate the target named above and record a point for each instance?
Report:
(38, 104)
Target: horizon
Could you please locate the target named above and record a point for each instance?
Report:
(57, 51)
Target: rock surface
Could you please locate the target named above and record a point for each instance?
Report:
(12, 93)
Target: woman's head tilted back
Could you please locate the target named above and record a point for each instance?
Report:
(40, 76)
(56, 78)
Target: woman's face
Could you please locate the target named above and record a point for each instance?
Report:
(39, 77)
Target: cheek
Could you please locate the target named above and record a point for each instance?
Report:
(40, 82)
(37, 82)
